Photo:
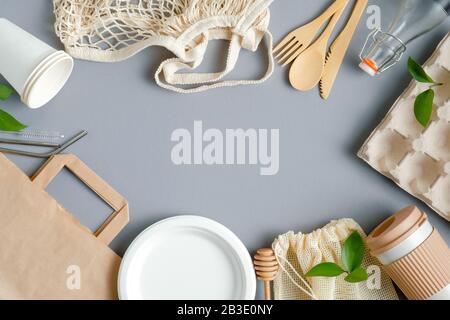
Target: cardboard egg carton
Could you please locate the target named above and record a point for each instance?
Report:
(416, 158)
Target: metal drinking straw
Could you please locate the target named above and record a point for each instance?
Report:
(57, 147)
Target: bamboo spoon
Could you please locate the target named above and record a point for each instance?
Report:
(307, 69)
(266, 267)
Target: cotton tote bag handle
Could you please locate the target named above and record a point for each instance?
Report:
(174, 80)
(117, 220)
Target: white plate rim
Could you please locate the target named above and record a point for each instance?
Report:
(213, 226)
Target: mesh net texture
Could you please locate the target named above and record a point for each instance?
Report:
(110, 30)
(298, 253)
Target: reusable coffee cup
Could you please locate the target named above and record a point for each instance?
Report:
(35, 70)
(413, 254)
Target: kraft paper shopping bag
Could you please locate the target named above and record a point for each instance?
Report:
(45, 252)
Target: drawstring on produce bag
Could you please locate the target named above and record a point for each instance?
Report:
(304, 282)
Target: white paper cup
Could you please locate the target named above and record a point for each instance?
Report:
(35, 70)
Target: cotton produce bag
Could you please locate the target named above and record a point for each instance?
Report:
(45, 253)
(298, 253)
(110, 30)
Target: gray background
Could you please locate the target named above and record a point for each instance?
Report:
(130, 120)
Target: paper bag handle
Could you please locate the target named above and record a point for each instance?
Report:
(117, 220)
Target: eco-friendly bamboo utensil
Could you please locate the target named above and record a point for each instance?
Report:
(338, 49)
(299, 39)
(307, 68)
(266, 267)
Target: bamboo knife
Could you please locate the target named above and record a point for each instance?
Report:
(338, 49)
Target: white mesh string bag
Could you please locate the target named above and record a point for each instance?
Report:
(298, 253)
(113, 30)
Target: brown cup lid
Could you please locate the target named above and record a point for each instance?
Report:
(395, 229)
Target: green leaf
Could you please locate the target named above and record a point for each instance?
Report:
(325, 269)
(357, 275)
(5, 91)
(352, 252)
(423, 107)
(417, 72)
(9, 123)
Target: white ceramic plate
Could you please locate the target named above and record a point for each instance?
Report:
(187, 257)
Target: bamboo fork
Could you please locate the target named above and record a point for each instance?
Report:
(299, 39)
(266, 267)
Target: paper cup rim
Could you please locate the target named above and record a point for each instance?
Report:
(48, 64)
(37, 72)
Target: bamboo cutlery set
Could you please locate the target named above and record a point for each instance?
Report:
(312, 64)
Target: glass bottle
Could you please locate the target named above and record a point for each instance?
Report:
(414, 18)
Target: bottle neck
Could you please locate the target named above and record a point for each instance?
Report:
(414, 18)
(445, 4)
(384, 51)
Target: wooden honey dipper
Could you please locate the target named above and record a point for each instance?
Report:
(266, 267)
